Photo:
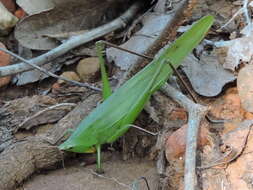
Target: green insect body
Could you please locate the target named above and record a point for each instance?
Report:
(111, 119)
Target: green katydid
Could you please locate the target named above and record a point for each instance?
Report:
(114, 116)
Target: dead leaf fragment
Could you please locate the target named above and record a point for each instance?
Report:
(245, 87)
(239, 172)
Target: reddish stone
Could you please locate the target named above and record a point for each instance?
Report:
(20, 13)
(176, 142)
(5, 60)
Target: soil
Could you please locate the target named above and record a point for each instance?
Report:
(76, 177)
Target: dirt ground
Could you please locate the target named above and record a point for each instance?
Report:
(76, 177)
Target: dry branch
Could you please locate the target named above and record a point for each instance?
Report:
(50, 73)
(74, 42)
(196, 113)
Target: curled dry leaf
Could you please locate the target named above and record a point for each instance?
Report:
(67, 16)
(240, 50)
(245, 87)
(176, 142)
(4, 60)
(238, 158)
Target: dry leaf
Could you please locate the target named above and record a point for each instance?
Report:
(206, 75)
(239, 51)
(239, 172)
(35, 6)
(67, 16)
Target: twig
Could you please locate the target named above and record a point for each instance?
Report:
(48, 72)
(141, 129)
(111, 178)
(74, 42)
(45, 110)
(146, 182)
(232, 18)
(247, 17)
(196, 113)
(245, 11)
(135, 22)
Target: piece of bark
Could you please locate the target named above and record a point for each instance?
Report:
(70, 121)
(27, 112)
(22, 159)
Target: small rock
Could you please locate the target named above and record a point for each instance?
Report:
(69, 75)
(176, 142)
(55, 87)
(20, 13)
(7, 20)
(88, 69)
(5, 60)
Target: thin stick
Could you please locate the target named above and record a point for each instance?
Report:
(74, 42)
(50, 73)
(45, 110)
(247, 17)
(233, 17)
(111, 178)
(194, 98)
(127, 50)
(146, 181)
(141, 129)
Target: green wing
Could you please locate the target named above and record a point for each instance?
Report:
(125, 104)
